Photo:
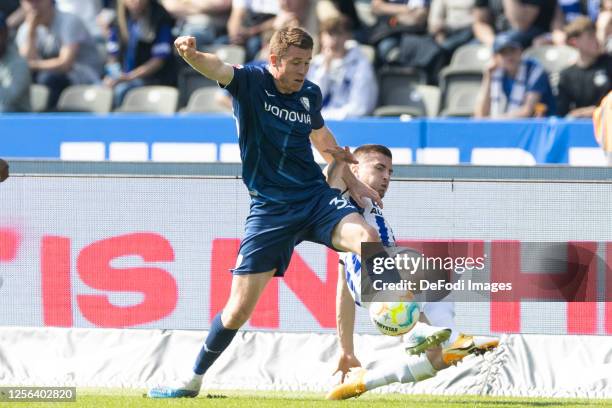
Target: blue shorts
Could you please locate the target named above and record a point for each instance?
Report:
(272, 230)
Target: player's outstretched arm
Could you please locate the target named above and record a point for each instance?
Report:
(323, 140)
(333, 174)
(205, 63)
(345, 324)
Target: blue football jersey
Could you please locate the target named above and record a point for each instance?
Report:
(274, 136)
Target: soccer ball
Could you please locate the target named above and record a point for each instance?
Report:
(394, 318)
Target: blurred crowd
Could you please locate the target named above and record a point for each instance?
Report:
(483, 58)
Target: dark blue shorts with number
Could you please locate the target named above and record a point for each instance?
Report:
(272, 230)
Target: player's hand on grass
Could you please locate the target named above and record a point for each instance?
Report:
(186, 47)
(345, 363)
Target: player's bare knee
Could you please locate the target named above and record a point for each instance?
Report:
(234, 318)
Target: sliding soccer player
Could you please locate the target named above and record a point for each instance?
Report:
(424, 357)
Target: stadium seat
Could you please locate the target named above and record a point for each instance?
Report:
(189, 80)
(39, 98)
(203, 101)
(395, 80)
(552, 57)
(232, 54)
(400, 110)
(461, 102)
(459, 91)
(414, 100)
(471, 57)
(150, 99)
(86, 98)
(431, 99)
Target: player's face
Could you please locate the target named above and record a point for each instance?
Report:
(510, 59)
(375, 170)
(290, 70)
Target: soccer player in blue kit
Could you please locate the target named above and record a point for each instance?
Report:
(278, 116)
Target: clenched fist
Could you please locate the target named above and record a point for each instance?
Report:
(186, 47)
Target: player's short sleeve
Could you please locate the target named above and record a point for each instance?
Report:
(481, 3)
(317, 118)
(239, 85)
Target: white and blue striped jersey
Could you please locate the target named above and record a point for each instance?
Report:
(352, 262)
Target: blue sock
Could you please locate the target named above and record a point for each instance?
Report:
(217, 341)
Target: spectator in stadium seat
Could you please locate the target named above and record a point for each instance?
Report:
(14, 74)
(513, 87)
(205, 20)
(396, 17)
(248, 20)
(140, 48)
(450, 23)
(345, 75)
(583, 85)
(533, 20)
(58, 48)
(604, 26)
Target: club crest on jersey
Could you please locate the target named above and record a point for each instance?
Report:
(305, 102)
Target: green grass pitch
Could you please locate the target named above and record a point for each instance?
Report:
(113, 398)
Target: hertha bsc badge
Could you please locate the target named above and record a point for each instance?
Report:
(305, 102)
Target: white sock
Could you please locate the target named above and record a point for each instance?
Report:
(442, 314)
(195, 383)
(407, 370)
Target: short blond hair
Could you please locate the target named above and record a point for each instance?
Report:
(579, 26)
(290, 36)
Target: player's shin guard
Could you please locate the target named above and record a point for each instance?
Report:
(216, 342)
(411, 369)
